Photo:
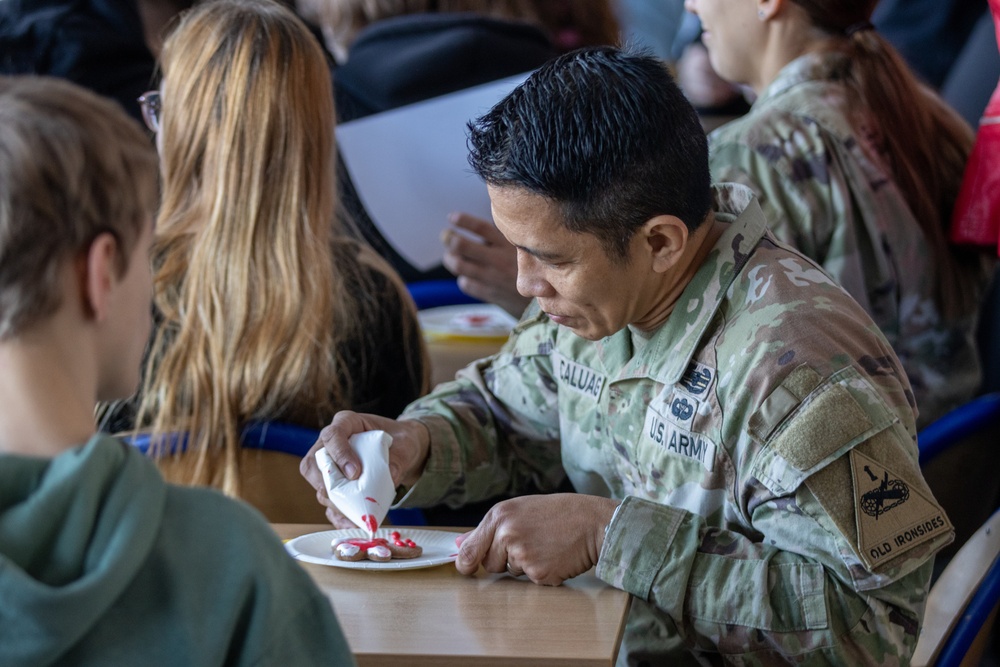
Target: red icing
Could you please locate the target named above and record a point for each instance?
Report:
(370, 523)
(477, 320)
(371, 500)
(399, 541)
(364, 544)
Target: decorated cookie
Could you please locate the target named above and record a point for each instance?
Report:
(376, 549)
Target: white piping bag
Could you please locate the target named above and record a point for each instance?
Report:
(365, 500)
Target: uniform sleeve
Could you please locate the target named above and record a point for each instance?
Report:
(835, 561)
(495, 428)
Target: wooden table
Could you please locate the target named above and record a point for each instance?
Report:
(436, 616)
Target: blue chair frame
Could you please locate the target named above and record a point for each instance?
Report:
(286, 438)
(977, 612)
(271, 436)
(958, 424)
(434, 293)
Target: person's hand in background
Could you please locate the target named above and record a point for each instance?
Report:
(483, 260)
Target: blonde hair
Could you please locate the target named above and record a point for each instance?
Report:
(73, 165)
(255, 309)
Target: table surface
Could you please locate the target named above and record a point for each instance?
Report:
(436, 616)
(447, 357)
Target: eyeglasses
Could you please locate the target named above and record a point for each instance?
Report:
(151, 109)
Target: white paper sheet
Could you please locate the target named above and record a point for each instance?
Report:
(410, 168)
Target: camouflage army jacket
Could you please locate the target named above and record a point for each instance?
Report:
(823, 192)
(763, 444)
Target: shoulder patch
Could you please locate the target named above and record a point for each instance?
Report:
(882, 528)
(892, 516)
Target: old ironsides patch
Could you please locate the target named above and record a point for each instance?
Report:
(892, 516)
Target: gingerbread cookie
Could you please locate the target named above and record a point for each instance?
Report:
(377, 549)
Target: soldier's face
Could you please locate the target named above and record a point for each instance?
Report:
(569, 273)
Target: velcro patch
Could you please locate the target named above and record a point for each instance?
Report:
(892, 516)
(577, 377)
(824, 426)
(779, 404)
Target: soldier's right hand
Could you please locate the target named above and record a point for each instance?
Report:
(407, 454)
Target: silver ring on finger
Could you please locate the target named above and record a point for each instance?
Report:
(512, 572)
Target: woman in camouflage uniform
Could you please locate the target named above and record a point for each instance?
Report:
(857, 165)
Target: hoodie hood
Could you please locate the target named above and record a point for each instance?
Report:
(407, 59)
(74, 531)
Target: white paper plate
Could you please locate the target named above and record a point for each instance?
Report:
(439, 548)
(480, 321)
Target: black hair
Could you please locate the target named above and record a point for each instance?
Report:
(605, 134)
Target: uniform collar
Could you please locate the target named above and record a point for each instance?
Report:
(806, 68)
(679, 337)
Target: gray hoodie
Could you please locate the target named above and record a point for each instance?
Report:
(101, 562)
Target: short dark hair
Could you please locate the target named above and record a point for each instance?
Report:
(605, 134)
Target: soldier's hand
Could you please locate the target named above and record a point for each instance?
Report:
(549, 538)
(407, 454)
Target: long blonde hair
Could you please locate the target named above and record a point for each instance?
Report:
(255, 310)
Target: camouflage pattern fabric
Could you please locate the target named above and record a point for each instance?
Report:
(827, 194)
(763, 442)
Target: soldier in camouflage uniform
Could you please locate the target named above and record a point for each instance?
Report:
(740, 434)
(831, 175)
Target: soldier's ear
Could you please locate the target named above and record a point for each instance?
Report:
(666, 238)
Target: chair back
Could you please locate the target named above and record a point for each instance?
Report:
(962, 603)
(981, 414)
(959, 458)
(269, 473)
(269, 470)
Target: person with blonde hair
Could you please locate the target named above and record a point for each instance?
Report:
(268, 309)
(101, 562)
